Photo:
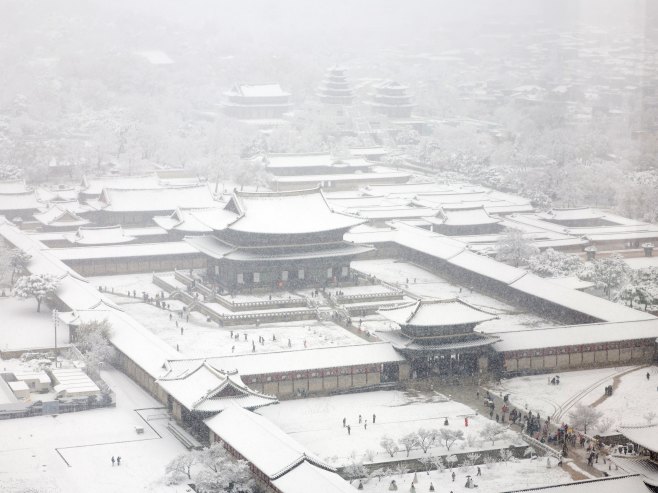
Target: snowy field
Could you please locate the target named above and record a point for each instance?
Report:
(317, 423)
(423, 283)
(202, 338)
(25, 328)
(633, 395)
(496, 477)
(70, 453)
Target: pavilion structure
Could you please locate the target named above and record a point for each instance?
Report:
(438, 336)
(457, 220)
(195, 394)
(257, 102)
(392, 99)
(335, 88)
(644, 459)
(277, 240)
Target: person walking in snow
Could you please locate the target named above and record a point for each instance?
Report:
(453, 476)
(360, 419)
(349, 430)
(648, 376)
(374, 417)
(119, 460)
(344, 422)
(113, 461)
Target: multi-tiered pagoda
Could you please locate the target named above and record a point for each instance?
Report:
(392, 99)
(438, 336)
(277, 240)
(335, 88)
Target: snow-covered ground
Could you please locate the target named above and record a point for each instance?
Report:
(423, 283)
(632, 398)
(496, 477)
(203, 338)
(70, 453)
(24, 328)
(317, 423)
(124, 283)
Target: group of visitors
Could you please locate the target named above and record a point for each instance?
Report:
(362, 421)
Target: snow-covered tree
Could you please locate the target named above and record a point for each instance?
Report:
(492, 431)
(212, 470)
(37, 286)
(551, 263)
(649, 416)
(9, 172)
(513, 248)
(427, 461)
(389, 445)
(452, 460)
(448, 437)
(355, 470)
(489, 460)
(180, 468)
(474, 457)
(505, 455)
(439, 463)
(583, 417)
(426, 438)
(93, 340)
(409, 441)
(18, 263)
(609, 273)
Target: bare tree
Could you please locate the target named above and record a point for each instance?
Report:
(492, 431)
(19, 262)
(426, 438)
(583, 417)
(514, 249)
(180, 467)
(505, 455)
(389, 445)
(409, 441)
(449, 437)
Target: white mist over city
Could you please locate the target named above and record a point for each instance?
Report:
(328, 246)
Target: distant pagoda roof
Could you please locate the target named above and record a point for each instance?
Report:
(295, 212)
(436, 313)
(463, 216)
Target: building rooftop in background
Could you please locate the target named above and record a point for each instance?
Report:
(13, 186)
(155, 199)
(106, 235)
(60, 216)
(257, 102)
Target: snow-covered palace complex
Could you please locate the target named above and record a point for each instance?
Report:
(293, 326)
